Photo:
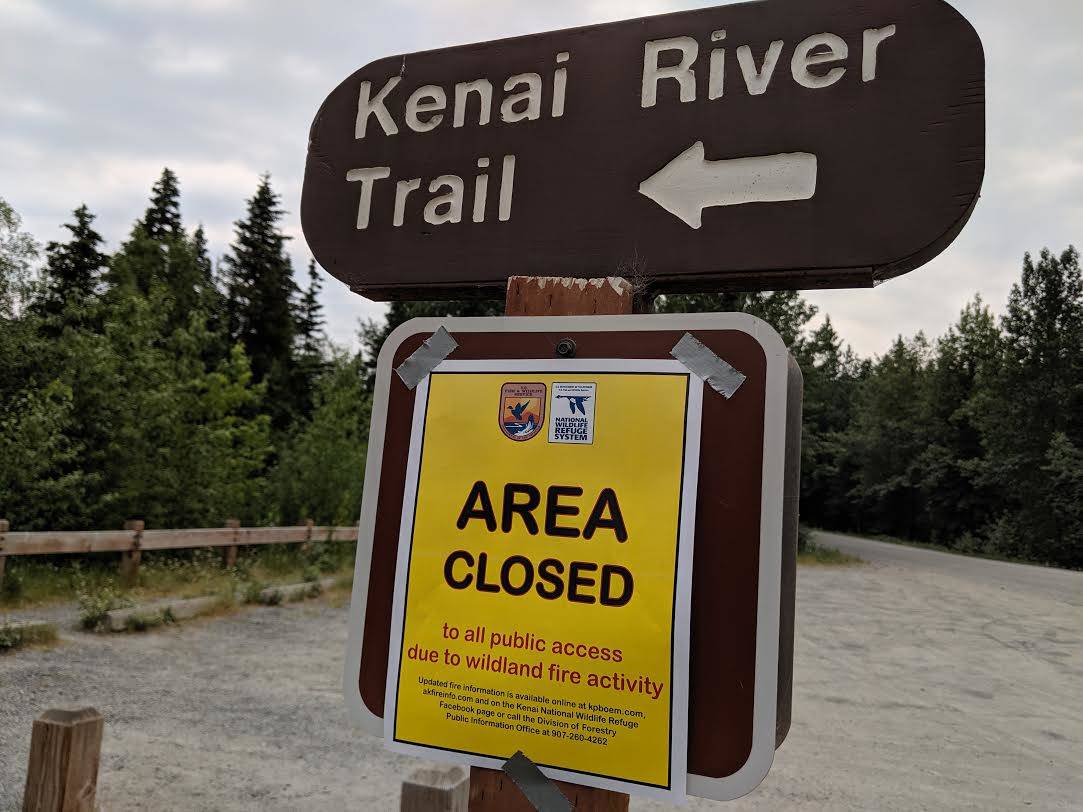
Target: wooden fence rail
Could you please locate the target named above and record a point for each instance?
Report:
(135, 539)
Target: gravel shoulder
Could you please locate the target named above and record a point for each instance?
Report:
(913, 689)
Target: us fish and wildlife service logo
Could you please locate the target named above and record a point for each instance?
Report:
(522, 410)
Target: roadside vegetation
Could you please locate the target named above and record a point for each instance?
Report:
(94, 581)
(817, 555)
(14, 636)
(809, 553)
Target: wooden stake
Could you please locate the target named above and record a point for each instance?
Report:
(129, 561)
(65, 750)
(434, 790)
(491, 790)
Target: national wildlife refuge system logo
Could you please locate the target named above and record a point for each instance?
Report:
(522, 410)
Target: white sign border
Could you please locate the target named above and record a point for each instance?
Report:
(762, 753)
(678, 751)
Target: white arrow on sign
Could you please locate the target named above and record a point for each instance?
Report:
(690, 183)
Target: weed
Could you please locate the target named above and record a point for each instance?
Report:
(12, 588)
(815, 554)
(94, 581)
(96, 603)
(141, 622)
(250, 592)
(344, 581)
(13, 637)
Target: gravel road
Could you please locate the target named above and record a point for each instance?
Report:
(915, 689)
(1062, 585)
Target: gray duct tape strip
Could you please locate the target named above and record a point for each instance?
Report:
(703, 363)
(539, 790)
(436, 348)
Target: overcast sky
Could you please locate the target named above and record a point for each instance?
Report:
(98, 95)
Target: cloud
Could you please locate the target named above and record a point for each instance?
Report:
(22, 21)
(178, 60)
(223, 90)
(187, 6)
(28, 108)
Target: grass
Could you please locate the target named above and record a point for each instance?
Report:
(811, 554)
(818, 556)
(141, 622)
(95, 582)
(338, 596)
(14, 637)
(968, 546)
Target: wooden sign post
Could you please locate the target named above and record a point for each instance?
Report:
(491, 790)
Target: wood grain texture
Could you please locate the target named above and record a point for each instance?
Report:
(106, 541)
(76, 541)
(436, 790)
(3, 540)
(493, 791)
(65, 752)
(900, 157)
(130, 558)
(555, 296)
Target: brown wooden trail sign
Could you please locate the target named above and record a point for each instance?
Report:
(765, 145)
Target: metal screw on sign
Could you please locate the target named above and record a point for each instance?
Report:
(565, 348)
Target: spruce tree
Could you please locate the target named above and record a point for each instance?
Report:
(145, 258)
(201, 258)
(210, 300)
(309, 318)
(310, 342)
(157, 251)
(162, 221)
(261, 292)
(71, 274)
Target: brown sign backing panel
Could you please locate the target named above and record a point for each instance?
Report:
(764, 145)
(746, 514)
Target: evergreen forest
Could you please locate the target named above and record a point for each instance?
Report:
(161, 383)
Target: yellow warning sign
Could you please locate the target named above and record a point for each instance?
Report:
(544, 570)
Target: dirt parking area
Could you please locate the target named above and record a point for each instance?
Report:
(914, 690)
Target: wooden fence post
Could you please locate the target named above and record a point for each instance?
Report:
(435, 790)
(4, 527)
(492, 790)
(230, 555)
(65, 750)
(306, 548)
(129, 561)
